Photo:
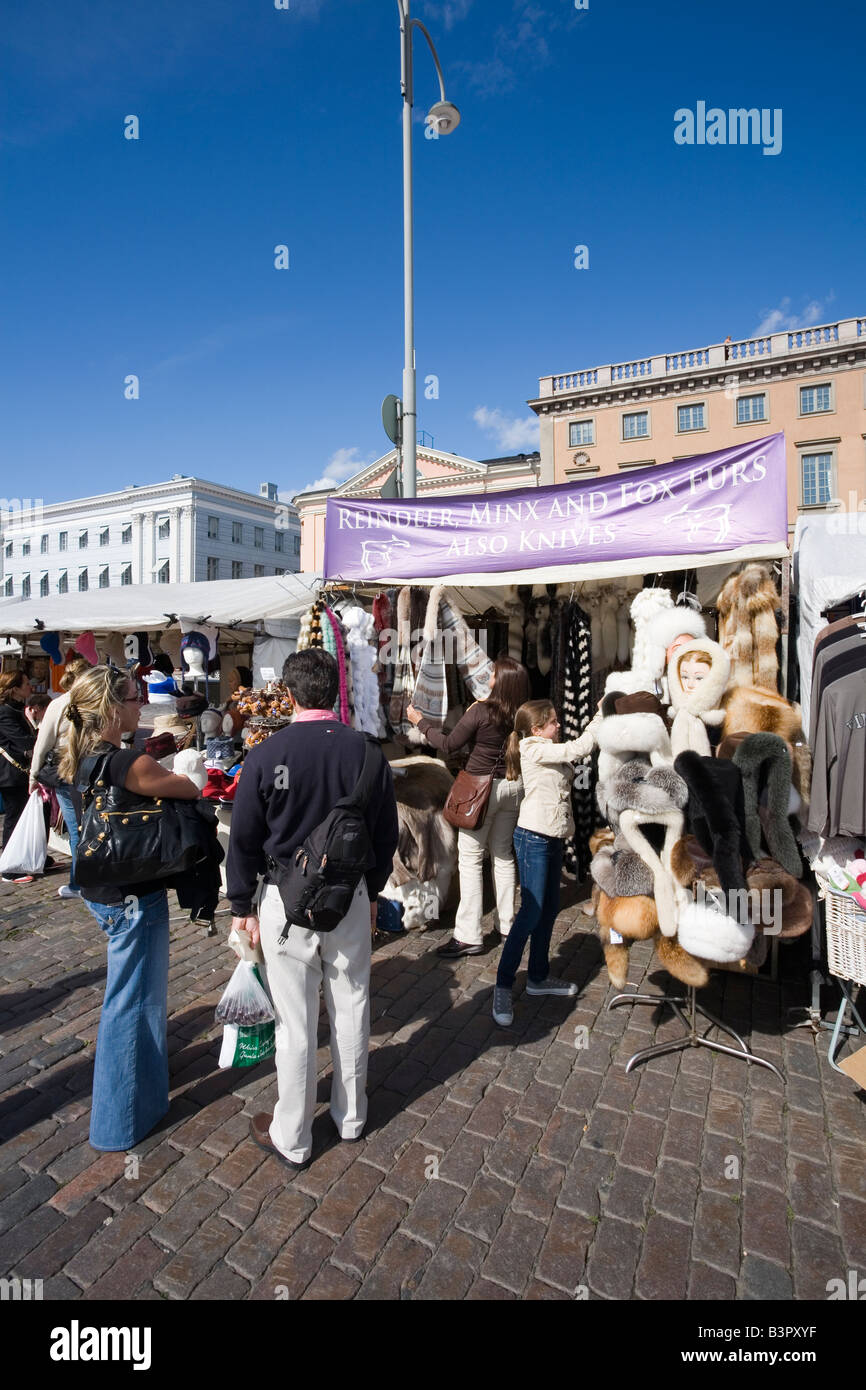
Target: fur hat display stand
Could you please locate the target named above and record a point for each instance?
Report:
(679, 823)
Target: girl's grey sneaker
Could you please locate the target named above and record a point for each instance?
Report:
(552, 986)
(503, 1013)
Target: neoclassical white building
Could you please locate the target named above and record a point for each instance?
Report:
(179, 531)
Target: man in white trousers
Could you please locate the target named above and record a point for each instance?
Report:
(288, 786)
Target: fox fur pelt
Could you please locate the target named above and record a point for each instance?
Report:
(428, 844)
(748, 629)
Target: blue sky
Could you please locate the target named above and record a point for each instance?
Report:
(261, 126)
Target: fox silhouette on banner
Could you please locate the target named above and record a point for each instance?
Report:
(731, 504)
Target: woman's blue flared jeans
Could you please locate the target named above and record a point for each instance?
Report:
(130, 1074)
(539, 861)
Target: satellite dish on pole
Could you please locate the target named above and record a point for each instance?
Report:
(392, 419)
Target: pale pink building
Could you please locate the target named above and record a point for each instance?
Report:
(810, 383)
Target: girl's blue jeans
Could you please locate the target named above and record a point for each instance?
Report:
(130, 1074)
(70, 820)
(539, 861)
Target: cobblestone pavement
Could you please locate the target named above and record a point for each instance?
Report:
(496, 1164)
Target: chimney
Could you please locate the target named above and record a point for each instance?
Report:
(268, 490)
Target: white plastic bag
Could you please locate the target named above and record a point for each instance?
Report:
(28, 844)
(245, 1001)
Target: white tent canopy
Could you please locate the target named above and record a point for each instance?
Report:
(152, 607)
(829, 568)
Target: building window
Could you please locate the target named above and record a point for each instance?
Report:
(25, 547)
(164, 530)
(237, 533)
(259, 537)
(635, 425)
(126, 574)
(43, 546)
(63, 582)
(163, 572)
(581, 432)
(279, 541)
(213, 528)
(82, 540)
(817, 473)
(43, 585)
(104, 536)
(25, 586)
(213, 567)
(258, 571)
(103, 576)
(751, 409)
(82, 581)
(814, 400)
(7, 550)
(7, 587)
(237, 569)
(279, 571)
(126, 535)
(297, 547)
(691, 417)
(62, 540)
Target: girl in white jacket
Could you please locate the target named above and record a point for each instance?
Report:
(545, 820)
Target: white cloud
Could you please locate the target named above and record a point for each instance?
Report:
(781, 319)
(521, 43)
(341, 465)
(449, 12)
(513, 433)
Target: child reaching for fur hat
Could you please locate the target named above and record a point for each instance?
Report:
(544, 822)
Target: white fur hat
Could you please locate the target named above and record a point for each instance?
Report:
(661, 630)
(189, 763)
(712, 935)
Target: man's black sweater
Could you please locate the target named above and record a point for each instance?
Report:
(288, 785)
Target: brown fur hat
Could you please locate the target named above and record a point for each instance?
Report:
(748, 629)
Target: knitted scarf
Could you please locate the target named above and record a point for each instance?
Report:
(576, 714)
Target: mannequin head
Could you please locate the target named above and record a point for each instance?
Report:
(195, 650)
(694, 667)
(678, 642)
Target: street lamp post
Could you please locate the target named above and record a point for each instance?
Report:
(444, 118)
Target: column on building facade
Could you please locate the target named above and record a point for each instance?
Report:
(176, 572)
(138, 548)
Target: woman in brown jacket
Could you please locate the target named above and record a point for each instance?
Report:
(485, 727)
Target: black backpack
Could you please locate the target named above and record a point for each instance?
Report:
(318, 886)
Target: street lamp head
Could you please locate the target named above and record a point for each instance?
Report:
(443, 117)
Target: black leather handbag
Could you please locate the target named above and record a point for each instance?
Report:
(127, 838)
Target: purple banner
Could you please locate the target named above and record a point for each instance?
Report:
(708, 505)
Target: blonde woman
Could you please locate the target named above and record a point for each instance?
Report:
(130, 1074)
(545, 820)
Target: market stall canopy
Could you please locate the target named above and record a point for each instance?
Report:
(708, 509)
(151, 607)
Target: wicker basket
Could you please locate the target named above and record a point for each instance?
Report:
(846, 937)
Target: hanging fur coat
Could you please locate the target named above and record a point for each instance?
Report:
(748, 629)
(695, 710)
